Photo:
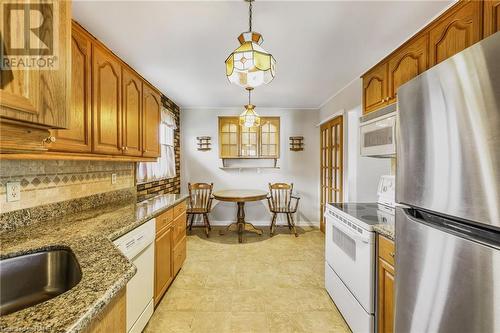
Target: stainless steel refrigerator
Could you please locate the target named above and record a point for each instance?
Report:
(448, 185)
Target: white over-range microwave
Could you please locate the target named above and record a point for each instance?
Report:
(377, 131)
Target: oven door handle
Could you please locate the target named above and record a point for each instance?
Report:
(348, 231)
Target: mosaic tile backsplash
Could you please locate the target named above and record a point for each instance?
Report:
(46, 182)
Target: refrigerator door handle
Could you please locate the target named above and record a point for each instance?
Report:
(470, 232)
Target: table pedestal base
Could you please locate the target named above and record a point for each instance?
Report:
(241, 226)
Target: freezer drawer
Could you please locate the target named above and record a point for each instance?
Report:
(447, 276)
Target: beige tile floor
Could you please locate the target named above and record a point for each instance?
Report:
(264, 285)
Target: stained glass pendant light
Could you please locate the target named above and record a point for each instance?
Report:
(249, 118)
(250, 66)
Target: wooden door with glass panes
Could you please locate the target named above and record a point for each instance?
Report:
(228, 137)
(270, 137)
(331, 171)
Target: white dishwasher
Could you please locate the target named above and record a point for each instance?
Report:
(138, 246)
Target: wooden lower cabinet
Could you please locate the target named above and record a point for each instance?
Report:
(170, 247)
(113, 318)
(163, 262)
(179, 254)
(385, 287)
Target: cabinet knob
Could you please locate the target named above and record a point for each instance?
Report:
(125, 148)
(49, 139)
(392, 254)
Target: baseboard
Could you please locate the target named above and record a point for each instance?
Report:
(218, 223)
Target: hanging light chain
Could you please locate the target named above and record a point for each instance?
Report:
(250, 15)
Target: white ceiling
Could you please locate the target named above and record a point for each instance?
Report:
(319, 47)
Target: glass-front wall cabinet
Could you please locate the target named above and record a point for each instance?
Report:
(236, 141)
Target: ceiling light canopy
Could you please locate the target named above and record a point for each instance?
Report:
(249, 118)
(250, 66)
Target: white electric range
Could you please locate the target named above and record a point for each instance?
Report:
(350, 255)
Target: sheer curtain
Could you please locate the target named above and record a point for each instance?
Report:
(164, 167)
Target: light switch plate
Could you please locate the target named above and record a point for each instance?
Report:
(113, 178)
(13, 191)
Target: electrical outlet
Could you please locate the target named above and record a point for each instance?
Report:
(13, 191)
(113, 178)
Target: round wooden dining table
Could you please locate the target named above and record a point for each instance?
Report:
(240, 197)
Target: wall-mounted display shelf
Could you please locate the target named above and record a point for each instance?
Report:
(204, 142)
(296, 143)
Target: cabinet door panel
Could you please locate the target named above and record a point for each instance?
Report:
(385, 297)
(406, 64)
(41, 97)
(77, 138)
(107, 100)
(132, 114)
(455, 32)
(375, 88)
(19, 90)
(491, 17)
(163, 263)
(151, 122)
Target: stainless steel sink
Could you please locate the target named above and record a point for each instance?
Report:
(30, 279)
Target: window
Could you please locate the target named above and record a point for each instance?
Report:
(249, 142)
(164, 167)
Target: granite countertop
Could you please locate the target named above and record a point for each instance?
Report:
(385, 229)
(105, 271)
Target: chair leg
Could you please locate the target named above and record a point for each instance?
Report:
(292, 222)
(208, 222)
(191, 216)
(288, 221)
(205, 220)
(273, 225)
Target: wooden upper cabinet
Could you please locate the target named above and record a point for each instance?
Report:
(491, 17)
(229, 138)
(41, 97)
(151, 122)
(77, 136)
(107, 102)
(407, 63)
(457, 30)
(375, 88)
(132, 113)
(270, 137)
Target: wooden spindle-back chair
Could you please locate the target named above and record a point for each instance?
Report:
(200, 203)
(280, 202)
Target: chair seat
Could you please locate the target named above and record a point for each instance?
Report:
(197, 210)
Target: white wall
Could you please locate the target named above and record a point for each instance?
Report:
(361, 174)
(301, 168)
